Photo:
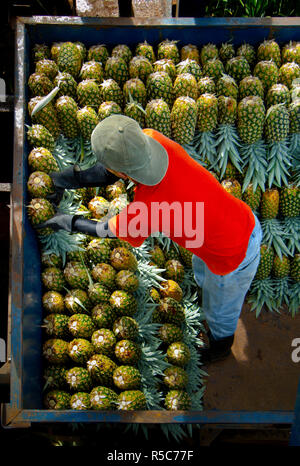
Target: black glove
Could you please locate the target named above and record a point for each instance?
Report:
(60, 221)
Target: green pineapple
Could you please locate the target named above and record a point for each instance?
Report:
(88, 93)
(39, 84)
(127, 352)
(53, 279)
(105, 274)
(55, 351)
(69, 59)
(238, 68)
(92, 70)
(178, 353)
(55, 377)
(131, 400)
(127, 378)
(104, 341)
(247, 51)
(177, 400)
(171, 311)
(54, 51)
(233, 187)
(53, 302)
(251, 116)
(39, 136)
(294, 111)
(269, 204)
(103, 315)
(80, 401)
(41, 159)
(140, 67)
(207, 106)
(79, 379)
(269, 50)
(101, 368)
(80, 350)
(146, 50)
(98, 53)
(168, 49)
(206, 85)
(185, 85)
(267, 72)
(40, 51)
(166, 66)
(281, 267)
(122, 51)
(57, 399)
(175, 378)
(289, 201)
(77, 302)
(184, 119)
(291, 52)
(159, 86)
(288, 72)
(137, 89)
(39, 211)
(98, 207)
(120, 243)
(171, 289)
(117, 69)
(158, 116)
(186, 256)
(155, 296)
(110, 91)
(51, 260)
(277, 123)
(227, 86)
(213, 68)
(98, 293)
(99, 251)
(40, 185)
(81, 326)
(190, 51)
(251, 86)
(157, 256)
(56, 326)
(135, 111)
(169, 333)
(87, 120)
(46, 116)
(227, 110)
(103, 398)
(174, 270)
(107, 109)
(82, 50)
(126, 280)
(47, 67)
(67, 85)
(113, 191)
(76, 275)
(189, 66)
(278, 94)
(122, 259)
(208, 52)
(123, 303)
(295, 268)
(251, 197)
(125, 328)
(227, 51)
(266, 262)
(78, 255)
(172, 253)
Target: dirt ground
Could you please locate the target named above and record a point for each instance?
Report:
(260, 373)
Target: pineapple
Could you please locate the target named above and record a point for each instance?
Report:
(184, 119)
(40, 51)
(207, 106)
(77, 301)
(159, 86)
(67, 85)
(56, 326)
(227, 110)
(251, 116)
(175, 378)
(103, 398)
(266, 262)
(206, 85)
(57, 399)
(288, 72)
(213, 68)
(277, 123)
(126, 280)
(136, 112)
(80, 401)
(269, 50)
(278, 94)
(208, 52)
(117, 69)
(171, 311)
(127, 378)
(98, 206)
(191, 52)
(80, 350)
(81, 326)
(189, 66)
(122, 259)
(154, 294)
(67, 109)
(291, 52)
(140, 67)
(113, 191)
(238, 68)
(39, 211)
(98, 251)
(98, 53)
(41, 159)
(53, 279)
(110, 91)
(227, 51)
(172, 253)
(82, 49)
(171, 289)
(166, 66)
(294, 112)
(158, 116)
(227, 86)
(177, 400)
(101, 369)
(295, 268)
(251, 86)
(270, 204)
(79, 379)
(168, 49)
(178, 353)
(87, 120)
(289, 201)
(92, 70)
(88, 93)
(281, 267)
(55, 351)
(104, 341)
(39, 136)
(127, 352)
(131, 400)
(267, 72)
(76, 275)
(46, 116)
(123, 303)
(39, 84)
(185, 85)
(103, 315)
(174, 270)
(169, 333)
(54, 51)
(251, 197)
(47, 67)
(186, 256)
(126, 328)
(53, 302)
(233, 187)
(122, 51)
(55, 377)
(247, 51)
(145, 50)
(98, 293)
(105, 274)
(69, 59)
(40, 185)
(137, 89)
(107, 109)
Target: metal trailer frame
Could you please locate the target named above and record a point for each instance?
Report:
(24, 332)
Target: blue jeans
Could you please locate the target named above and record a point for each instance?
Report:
(223, 295)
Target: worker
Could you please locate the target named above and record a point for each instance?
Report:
(194, 210)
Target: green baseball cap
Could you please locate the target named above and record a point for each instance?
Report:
(120, 144)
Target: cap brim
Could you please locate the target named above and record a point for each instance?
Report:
(152, 173)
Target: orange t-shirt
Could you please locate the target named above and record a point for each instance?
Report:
(200, 204)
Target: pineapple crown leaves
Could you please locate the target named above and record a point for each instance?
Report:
(255, 156)
(262, 294)
(294, 298)
(281, 291)
(228, 144)
(132, 101)
(91, 283)
(275, 235)
(279, 161)
(44, 101)
(292, 237)
(208, 146)
(60, 243)
(76, 300)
